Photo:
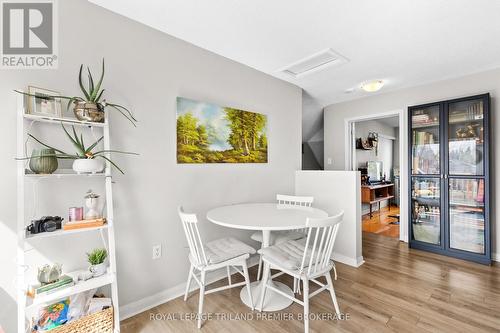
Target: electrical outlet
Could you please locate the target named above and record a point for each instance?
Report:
(156, 251)
(330, 160)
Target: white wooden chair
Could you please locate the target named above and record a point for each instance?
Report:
(305, 259)
(281, 237)
(225, 252)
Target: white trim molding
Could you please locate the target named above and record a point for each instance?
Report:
(349, 151)
(354, 262)
(149, 302)
(495, 256)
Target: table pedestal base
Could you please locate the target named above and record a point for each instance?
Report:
(273, 301)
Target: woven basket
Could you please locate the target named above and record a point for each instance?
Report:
(99, 322)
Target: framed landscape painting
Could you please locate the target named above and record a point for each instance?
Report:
(208, 133)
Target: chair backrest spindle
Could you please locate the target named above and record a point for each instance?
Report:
(190, 226)
(321, 235)
(292, 200)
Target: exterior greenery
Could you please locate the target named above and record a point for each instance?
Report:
(247, 140)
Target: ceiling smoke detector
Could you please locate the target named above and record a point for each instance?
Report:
(314, 63)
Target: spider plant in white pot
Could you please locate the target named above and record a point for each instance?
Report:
(90, 106)
(87, 159)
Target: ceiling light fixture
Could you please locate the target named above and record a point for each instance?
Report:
(372, 86)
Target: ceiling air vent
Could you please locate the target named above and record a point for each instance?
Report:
(314, 63)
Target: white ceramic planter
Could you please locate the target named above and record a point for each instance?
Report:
(98, 270)
(85, 165)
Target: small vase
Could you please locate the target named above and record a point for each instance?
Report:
(88, 111)
(88, 165)
(43, 161)
(98, 270)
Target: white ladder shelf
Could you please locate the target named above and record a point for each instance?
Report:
(109, 279)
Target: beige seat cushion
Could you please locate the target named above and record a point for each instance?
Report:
(278, 237)
(287, 255)
(226, 248)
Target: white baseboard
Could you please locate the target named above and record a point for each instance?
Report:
(149, 302)
(495, 256)
(354, 262)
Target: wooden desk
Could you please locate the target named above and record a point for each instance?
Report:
(371, 194)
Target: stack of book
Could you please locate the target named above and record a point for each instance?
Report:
(422, 138)
(473, 112)
(467, 192)
(84, 224)
(420, 118)
(44, 289)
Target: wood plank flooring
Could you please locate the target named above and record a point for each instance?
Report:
(396, 290)
(380, 222)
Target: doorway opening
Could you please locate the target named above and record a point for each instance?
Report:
(375, 150)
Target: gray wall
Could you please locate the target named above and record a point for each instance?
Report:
(309, 161)
(362, 129)
(400, 100)
(147, 70)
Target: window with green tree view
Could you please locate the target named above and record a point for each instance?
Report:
(208, 133)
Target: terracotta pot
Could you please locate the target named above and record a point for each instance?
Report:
(41, 161)
(88, 111)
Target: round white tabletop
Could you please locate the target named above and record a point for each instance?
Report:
(265, 217)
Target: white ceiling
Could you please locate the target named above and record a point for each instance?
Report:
(403, 42)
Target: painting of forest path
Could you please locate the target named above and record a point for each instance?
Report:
(208, 133)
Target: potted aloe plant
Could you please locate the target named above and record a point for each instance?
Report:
(91, 106)
(87, 159)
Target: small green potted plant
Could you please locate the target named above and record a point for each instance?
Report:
(90, 106)
(96, 259)
(87, 159)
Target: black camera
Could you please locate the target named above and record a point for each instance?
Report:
(45, 224)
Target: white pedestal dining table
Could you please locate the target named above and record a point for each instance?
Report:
(265, 217)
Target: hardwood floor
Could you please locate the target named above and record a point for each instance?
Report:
(396, 290)
(380, 222)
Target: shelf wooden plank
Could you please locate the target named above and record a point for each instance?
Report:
(62, 232)
(374, 187)
(381, 199)
(417, 126)
(63, 174)
(466, 121)
(58, 120)
(471, 204)
(79, 287)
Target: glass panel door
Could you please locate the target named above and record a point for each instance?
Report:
(467, 215)
(426, 215)
(466, 138)
(425, 141)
